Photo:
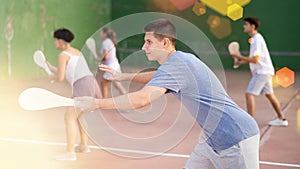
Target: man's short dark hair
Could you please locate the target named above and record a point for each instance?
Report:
(253, 21)
(64, 34)
(162, 28)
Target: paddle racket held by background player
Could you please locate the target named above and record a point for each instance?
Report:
(40, 60)
(234, 48)
(91, 45)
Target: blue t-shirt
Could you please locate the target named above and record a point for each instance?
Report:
(224, 123)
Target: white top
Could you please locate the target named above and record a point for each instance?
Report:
(259, 48)
(109, 46)
(77, 68)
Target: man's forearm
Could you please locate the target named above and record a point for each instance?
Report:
(124, 102)
(248, 59)
(242, 62)
(143, 77)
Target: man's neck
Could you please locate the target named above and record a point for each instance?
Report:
(164, 59)
(253, 33)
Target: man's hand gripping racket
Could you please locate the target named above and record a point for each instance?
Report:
(234, 50)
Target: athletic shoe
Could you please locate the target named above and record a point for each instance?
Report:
(69, 156)
(82, 149)
(278, 122)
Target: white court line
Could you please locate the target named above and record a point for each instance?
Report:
(279, 164)
(131, 151)
(95, 147)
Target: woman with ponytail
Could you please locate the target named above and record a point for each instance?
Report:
(108, 51)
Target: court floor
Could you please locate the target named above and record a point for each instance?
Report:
(31, 139)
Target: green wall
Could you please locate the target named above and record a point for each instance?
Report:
(34, 22)
(279, 26)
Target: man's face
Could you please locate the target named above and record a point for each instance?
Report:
(248, 28)
(153, 47)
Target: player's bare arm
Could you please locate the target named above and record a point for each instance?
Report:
(143, 77)
(242, 62)
(105, 56)
(246, 59)
(132, 100)
(62, 62)
(51, 67)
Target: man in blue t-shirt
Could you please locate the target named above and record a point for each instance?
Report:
(231, 136)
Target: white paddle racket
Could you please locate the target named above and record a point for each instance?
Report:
(40, 99)
(91, 44)
(40, 60)
(234, 48)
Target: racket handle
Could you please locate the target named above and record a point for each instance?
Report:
(236, 63)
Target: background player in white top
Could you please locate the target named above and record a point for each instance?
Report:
(262, 71)
(108, 51)
(73, 67)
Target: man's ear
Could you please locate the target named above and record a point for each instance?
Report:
(166, 42)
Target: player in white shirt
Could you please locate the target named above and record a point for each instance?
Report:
(108, 51)
(262, 71)
(72, 66)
